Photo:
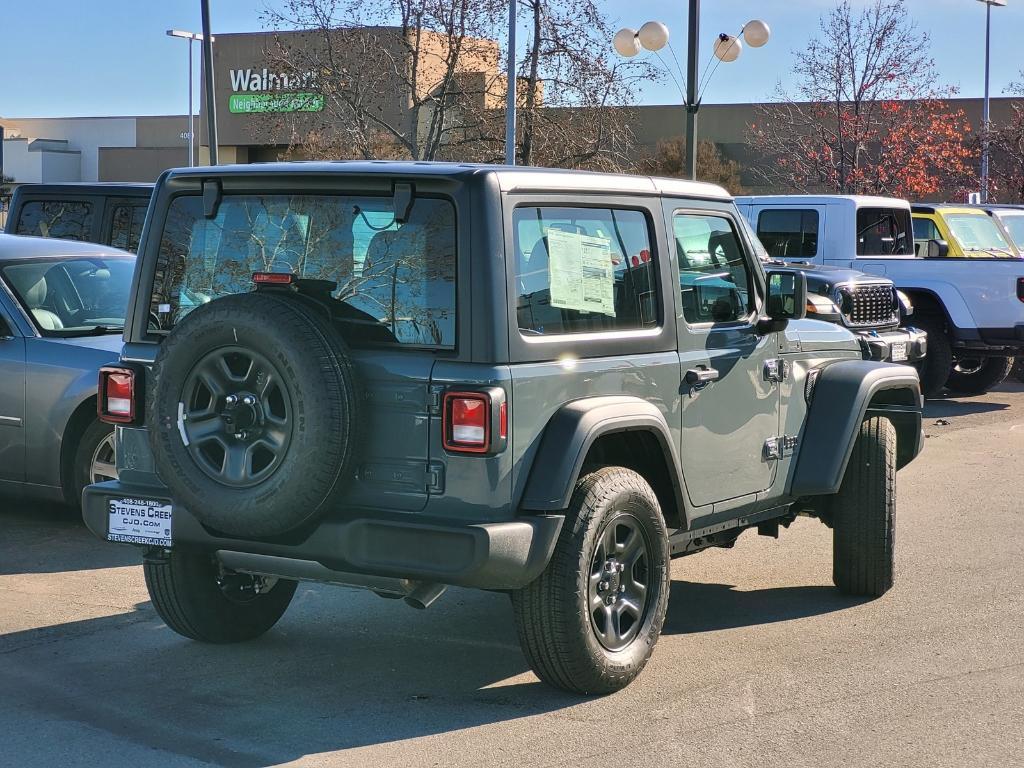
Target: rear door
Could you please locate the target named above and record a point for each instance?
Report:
(60, 217)
(791, 233)
(12, 394)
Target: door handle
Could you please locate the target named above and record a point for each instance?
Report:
(700, 377)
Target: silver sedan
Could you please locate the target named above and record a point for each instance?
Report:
(62, 308)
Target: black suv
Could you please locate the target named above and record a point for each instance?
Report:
(403, 376)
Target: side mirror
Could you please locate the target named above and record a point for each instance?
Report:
(786, 300)
(938, 249)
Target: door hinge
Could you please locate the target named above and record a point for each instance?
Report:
(776, 370)
(776, 448)
(435, 478)
(435, 396)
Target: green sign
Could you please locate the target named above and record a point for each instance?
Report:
(244, 103)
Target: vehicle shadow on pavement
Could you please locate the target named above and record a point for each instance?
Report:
(343, 669)
(949, 407)
(698, 607)
(41, 537)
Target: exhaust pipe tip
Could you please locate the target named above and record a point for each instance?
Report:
(423, 594)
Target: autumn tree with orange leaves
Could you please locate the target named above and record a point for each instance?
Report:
(867, 115)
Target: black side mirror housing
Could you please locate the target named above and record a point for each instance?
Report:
(938, 249)
(786, 300)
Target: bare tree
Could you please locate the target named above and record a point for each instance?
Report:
(867, 114)
(574, 112)
(390, 78)
(1006, 143)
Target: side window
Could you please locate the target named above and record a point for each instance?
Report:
(884, 232)
(63, 219)
(925, 229)
(714, 276)
(790, 233)
(126, 226)
(584, 270)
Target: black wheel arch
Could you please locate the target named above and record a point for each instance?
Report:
(847, 392)
(617, 429)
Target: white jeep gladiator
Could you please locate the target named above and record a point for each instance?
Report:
(972, 308)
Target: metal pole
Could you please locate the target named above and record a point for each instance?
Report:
(510, 106)
(211, 101)
(985, 106)
(691, 91)
(191, 117)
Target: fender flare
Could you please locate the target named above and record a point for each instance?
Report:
(571, 432)
(846, 392)
(946, 296)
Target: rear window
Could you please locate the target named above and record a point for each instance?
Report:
(394, 282)
(790, 233)
(62, 219)
(126, 226)
(884, 232)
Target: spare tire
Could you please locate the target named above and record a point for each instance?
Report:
(253, 417)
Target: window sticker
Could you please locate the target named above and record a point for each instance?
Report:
(581, 272)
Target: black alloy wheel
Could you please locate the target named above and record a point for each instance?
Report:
(619, 580)
(237, 416)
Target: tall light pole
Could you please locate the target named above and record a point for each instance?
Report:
(191, 37)
(653, 36)
(510, 105)
(211, 99)
(985, 104)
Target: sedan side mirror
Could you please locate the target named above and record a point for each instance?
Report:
(938, 249)
(786, 300)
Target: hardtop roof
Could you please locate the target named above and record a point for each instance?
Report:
(510, 178)
(858, 201)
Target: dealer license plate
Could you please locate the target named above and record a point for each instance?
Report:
(139, 521)
(899, 351)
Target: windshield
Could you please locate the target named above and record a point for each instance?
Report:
(394, 281)
(73, 296)
(1014, 223)
(977, 232)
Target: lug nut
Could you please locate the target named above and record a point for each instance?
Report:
(622, 588)
(249, 400)
(602, 586)
(609, 600)
(230, 399)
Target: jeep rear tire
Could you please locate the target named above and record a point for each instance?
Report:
(978, 376)
(199, 600)
(589, 622)
(935, 368)
(863, 514)
(253, 415)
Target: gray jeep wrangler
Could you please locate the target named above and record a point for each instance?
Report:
(404, 376)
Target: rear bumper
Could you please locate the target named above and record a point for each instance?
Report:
(879, 345)
(503, 555)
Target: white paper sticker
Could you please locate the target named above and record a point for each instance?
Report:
(581, 272)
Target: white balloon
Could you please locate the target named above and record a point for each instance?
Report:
(728, 47)
(626, 43)
(756, 33)
(653, 35)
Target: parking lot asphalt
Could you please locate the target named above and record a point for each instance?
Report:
(761, 662)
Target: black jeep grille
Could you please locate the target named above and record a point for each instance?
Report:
(870, 305)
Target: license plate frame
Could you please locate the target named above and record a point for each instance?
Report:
(898, 351)
(133, 520)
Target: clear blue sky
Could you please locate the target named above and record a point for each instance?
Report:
(114, 59)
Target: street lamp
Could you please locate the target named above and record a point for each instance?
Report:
(191, 37)
(985, 104)
(653, 36)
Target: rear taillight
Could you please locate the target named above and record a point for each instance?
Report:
(116, 401)
(1020, 288)
(475, 422)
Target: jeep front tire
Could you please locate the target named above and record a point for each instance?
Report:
(863, 514)
(589, 622)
